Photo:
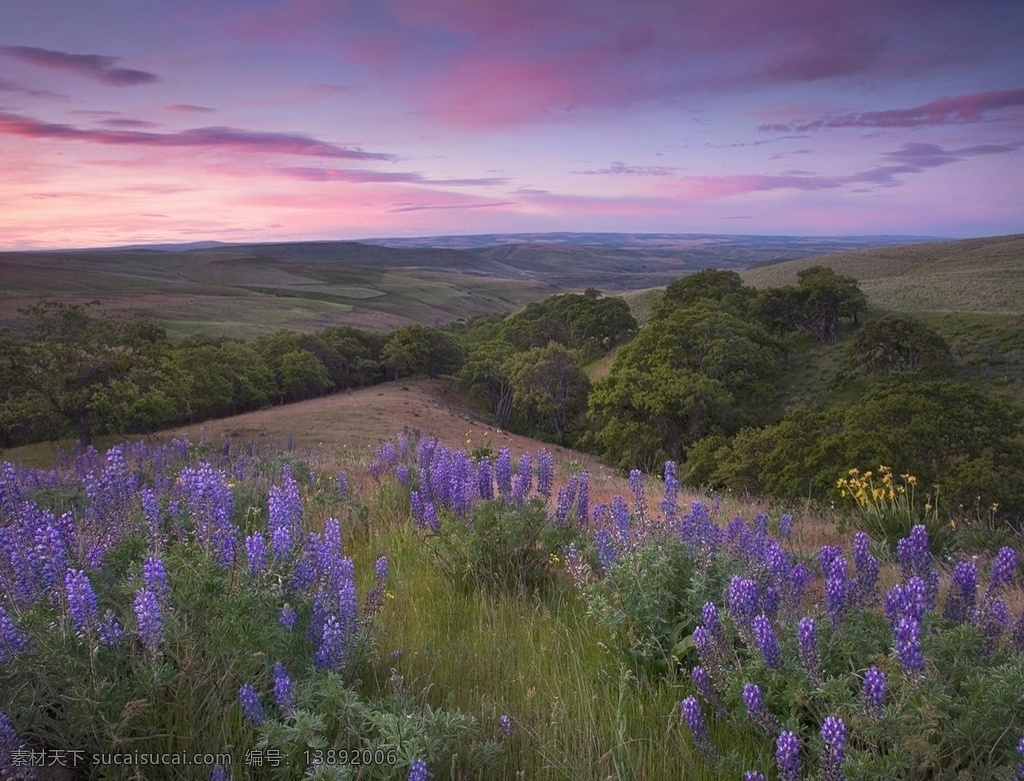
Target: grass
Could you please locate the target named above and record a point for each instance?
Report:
(578, 710)
(966, 276)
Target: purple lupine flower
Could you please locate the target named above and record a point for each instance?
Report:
(503, 472)
(765, 636)
(669, 505)
(283, 694)
(833, 732)
(525, 474)
(150, 623)
(636, 483)
(287, 619)
(702, 681)
(873, 692)
(583, 499)
(1017, 635)
(256, 553)
(430, 519)
(620, 517)
(220, 773)
(402, 474)
(151, 510)
(753, 775)
(341, 484)
(1020, 765)
(695, 721)
(251, 707)
(110, 630)
(12, 641)
(915, 559)
(963, 593)
(154, 577)
(485, 479)
(1003, 566)
(743, 599)
(545, 473)
(835, 589)
(992, 618)
(418, 770)
(330, 654)
(562, 505)
(375, 598)
(755, 707)
(807, 639)
(506, 726)
(786, 526)
(348, 610)
(908, 646)
(866, 566)
(787, 756)
(605, 550)
(83, 606)
(826, 556)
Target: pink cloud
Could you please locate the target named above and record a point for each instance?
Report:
(188, 108)
(18, 89)
(963, 109)
(208, 137)
(359, 176)
(93, 66)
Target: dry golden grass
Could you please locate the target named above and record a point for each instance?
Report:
(967, 276)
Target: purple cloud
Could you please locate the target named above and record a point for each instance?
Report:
(188, 108)
(963, 109)
(442, 206)
(17, 89)
(622, 169)
(93, 66)
(359, 176)
(211, 137)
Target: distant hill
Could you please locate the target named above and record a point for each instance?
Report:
(979, 276)
(248, 289)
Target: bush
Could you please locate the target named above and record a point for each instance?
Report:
(502, 546)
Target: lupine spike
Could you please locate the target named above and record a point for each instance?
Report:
(787, 756)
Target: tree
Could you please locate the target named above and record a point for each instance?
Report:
(814, 305)
(303, 376)
(725, 287)
(417, 349)
(68, 367)
(894, 344)
(488, 370)
(549, 384)
(694, 372)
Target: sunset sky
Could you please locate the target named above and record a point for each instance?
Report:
(126, 122)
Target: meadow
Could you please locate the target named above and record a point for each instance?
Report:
(634, 620)
(312, 591)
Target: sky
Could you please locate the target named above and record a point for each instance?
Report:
(126, 122)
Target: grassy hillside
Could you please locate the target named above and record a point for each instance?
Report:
(970, 291)
(246, 290)
(967, 276)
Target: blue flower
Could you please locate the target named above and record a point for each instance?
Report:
(251, 704)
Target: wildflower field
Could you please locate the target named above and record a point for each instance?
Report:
(227, 611)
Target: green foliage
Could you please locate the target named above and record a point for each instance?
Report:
(581, 322)
(650, 600)
(710, 285)
(894, 344)
(503, 547)
(549, 385)
(814, 305)
(889, 508)
(370, 738)
(488, 370)
(695, 372)
(417, 350)
(945, 433)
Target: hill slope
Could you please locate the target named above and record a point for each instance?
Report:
(964, 276)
